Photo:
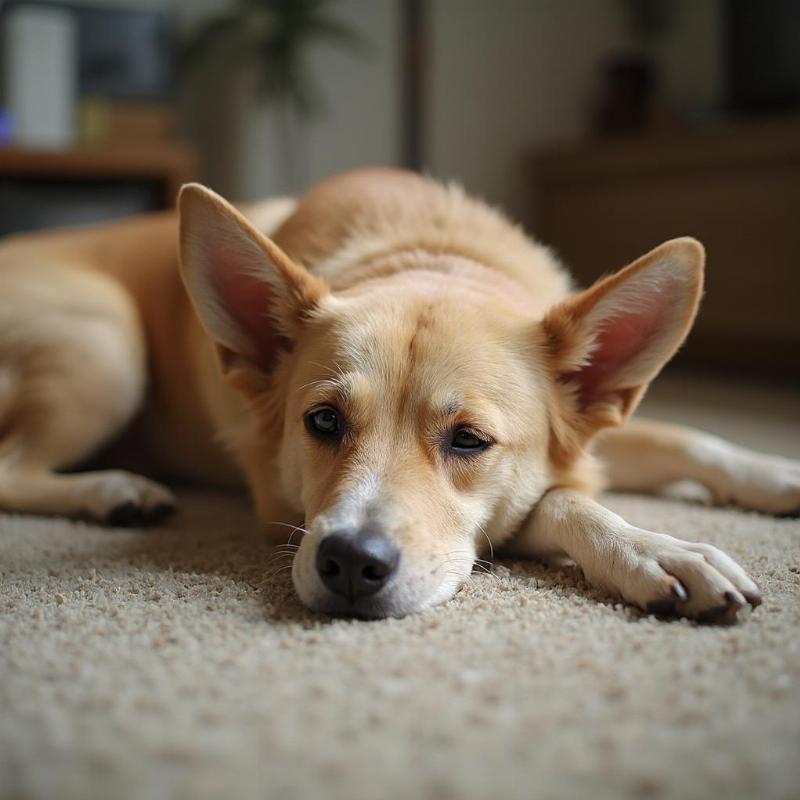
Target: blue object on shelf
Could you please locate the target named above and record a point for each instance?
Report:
(6, 126)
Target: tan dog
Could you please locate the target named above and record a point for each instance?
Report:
(398, 368)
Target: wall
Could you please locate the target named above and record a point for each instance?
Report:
(506, 77)
(512, 77)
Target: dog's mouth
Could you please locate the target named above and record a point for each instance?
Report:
(360, 609)
(403, 596)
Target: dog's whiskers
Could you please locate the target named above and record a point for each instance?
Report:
(460, 562)
(287, 525)
(292, 534)
(279, 571)
(295, 529)
(272, 563)
(282, 554)
(491, 546)
(480, 563)
(288, 546)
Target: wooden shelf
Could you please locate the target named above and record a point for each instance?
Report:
(170, 165)
(718, 146)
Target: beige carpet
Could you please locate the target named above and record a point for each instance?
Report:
(170, 664)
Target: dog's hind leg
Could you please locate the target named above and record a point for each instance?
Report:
(72, 375)
(646, 456)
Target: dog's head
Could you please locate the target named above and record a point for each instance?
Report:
(414, 422)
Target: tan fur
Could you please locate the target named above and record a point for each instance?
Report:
(414, 310)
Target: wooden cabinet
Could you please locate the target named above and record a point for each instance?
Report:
(737, 189)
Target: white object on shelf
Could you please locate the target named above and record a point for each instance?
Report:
(40, 74)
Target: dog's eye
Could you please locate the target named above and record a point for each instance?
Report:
(465, 440)
(324, 422)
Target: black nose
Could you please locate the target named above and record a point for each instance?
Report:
(355, 565)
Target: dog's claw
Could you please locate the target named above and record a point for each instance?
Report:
(724, 615)
(678, 591)
(754, 598)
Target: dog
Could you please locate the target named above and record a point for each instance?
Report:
(391, 366)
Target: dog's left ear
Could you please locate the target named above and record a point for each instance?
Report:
(250, 297)
(607, 343)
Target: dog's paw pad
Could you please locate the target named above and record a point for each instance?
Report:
(662, 608)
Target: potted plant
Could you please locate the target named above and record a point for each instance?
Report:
(256, 53)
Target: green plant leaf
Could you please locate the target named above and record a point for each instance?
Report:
(338, 32)
(210, 34)
(271, 36)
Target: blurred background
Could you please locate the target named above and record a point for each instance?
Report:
(604, 127)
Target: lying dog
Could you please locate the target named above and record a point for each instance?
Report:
(397, 367)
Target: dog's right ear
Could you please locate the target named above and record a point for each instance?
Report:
(249, 296)
(605, 344)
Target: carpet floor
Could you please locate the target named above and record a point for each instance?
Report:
(173, 664)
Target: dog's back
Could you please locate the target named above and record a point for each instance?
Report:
(353, 227)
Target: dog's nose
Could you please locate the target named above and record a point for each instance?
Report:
(356, 565)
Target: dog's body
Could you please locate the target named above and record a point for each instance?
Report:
(423, 384)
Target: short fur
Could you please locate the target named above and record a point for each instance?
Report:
(412, 309)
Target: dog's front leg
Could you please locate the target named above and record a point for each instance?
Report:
(654, 571)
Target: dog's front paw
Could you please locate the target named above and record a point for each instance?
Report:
(668, 576)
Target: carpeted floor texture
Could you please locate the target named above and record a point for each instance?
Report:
(174, 664)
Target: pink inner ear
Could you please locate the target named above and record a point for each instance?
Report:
(248, 301)
(619, 341)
